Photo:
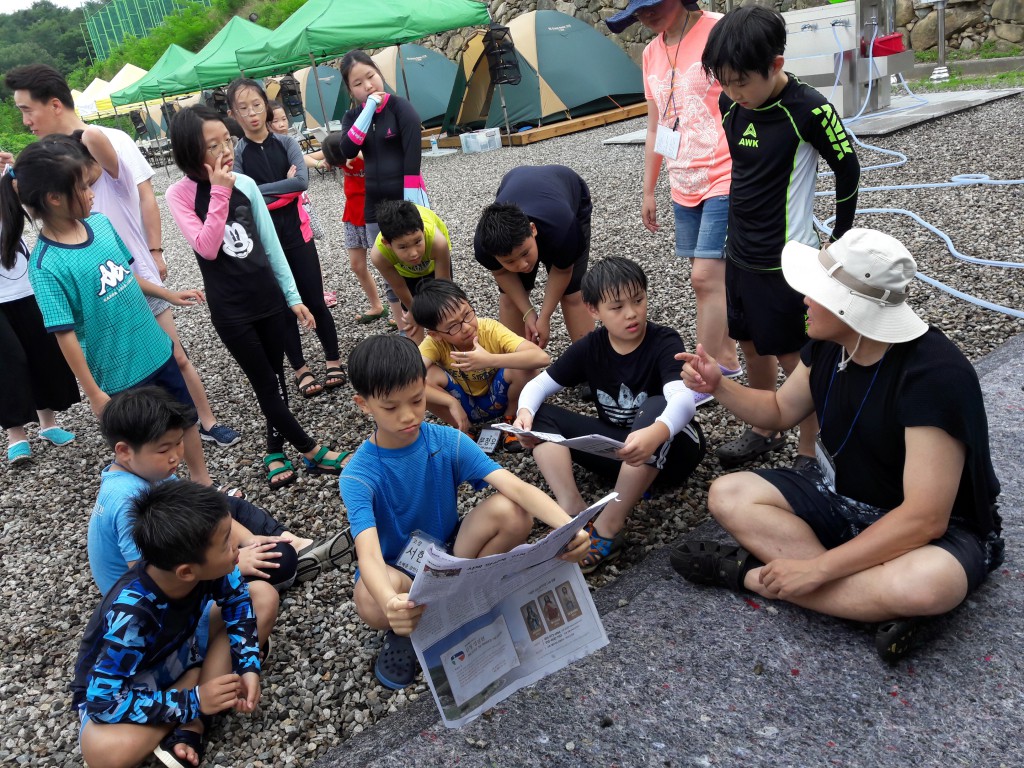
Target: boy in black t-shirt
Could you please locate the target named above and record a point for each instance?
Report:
(630, 365)
(776, 127)
(541, 215)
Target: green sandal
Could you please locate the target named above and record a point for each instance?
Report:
(368, 317)
(318, 465)
(602, 550)
(273, 473)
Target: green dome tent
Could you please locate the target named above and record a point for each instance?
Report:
(568, 69)
(422, 76)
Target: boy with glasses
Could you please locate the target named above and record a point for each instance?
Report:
(476, 367)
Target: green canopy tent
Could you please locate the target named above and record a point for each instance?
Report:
(145, 87)
(554, 51)
(326, 29)
(215, 64)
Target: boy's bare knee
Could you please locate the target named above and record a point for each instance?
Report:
(265, 599)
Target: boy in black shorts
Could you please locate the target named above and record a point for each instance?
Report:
(541, 215)
(630, 365)
(776, 127)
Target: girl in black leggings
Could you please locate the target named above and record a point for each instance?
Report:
(248, 283)
(275, 162)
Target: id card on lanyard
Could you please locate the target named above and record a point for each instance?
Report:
(666, 142)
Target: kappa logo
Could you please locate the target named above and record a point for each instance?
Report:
(749, 138)
(111, 275)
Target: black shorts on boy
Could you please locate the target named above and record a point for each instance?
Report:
(763, 309)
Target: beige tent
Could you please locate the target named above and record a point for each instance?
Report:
(86, 103)
(129, 74)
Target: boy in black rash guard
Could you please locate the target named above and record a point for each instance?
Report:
(541, 215)
(630, 365)
(776, 127)
(898, 519)
(144, 681)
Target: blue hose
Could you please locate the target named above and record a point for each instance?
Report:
(960, 180)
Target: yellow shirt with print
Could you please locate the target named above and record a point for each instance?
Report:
(494, 337)
(432, 224)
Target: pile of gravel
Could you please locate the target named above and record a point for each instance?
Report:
(319, 687)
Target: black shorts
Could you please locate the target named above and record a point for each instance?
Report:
(675, 459)
(836, 519)
(765, 310)
(168, 378)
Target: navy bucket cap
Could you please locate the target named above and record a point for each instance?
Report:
(627, 18)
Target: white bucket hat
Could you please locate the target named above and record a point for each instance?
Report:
(862, 278)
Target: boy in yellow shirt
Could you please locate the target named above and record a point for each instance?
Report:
(476, 367)
(413, 247)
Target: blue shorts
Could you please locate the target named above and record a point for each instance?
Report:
(168, 378)
(486, 407)
(189, 656)
(700, 231)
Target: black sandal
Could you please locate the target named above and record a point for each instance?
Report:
(896, 638)
(304, 389)
(165, 753)
(712, 564)
(748, 447)
(335, 377)
(396, 665)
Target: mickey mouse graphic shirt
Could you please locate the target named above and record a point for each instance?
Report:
(244, 270)
(621, 383)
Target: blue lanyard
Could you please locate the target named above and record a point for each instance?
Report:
(824, 408)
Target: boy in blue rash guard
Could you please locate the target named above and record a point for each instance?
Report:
(150, 672)
(385, 509)
(777, 128)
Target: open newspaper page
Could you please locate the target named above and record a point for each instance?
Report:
(599, 445)
(496, 624)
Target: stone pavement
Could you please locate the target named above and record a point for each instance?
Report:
(703, 677)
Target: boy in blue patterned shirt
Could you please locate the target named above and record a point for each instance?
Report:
(144, 681)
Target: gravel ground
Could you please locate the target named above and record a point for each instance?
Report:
(319, 687)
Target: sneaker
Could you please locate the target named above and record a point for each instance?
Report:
(19, 452)
(730, 373)
(702, 398)
(223, 436)
(509, 441)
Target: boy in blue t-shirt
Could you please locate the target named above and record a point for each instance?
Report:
(143, 680)
(404, 480)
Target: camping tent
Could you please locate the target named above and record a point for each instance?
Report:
(423, 76)
(331, 89)
(325, 29)
(215, 64)
(146, 88)
(86, 101)
(128, 74)
(552, 49)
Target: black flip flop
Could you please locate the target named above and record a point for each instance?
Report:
(165, 749)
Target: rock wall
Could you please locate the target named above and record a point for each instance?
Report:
(969, 23)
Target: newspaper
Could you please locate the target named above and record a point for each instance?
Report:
(599, 445)
(496, 624)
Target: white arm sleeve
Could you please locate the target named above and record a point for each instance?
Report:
(679, 408)
(538, 390)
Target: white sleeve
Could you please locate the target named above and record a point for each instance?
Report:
(130, 154)
(537, 391)
(679, 408)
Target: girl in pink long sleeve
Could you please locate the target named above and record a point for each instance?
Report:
(247, 279)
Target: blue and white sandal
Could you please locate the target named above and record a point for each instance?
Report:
(57, 436)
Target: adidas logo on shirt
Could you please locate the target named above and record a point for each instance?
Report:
(111, 275)
(749, 138)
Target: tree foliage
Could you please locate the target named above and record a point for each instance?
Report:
(44, 33)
